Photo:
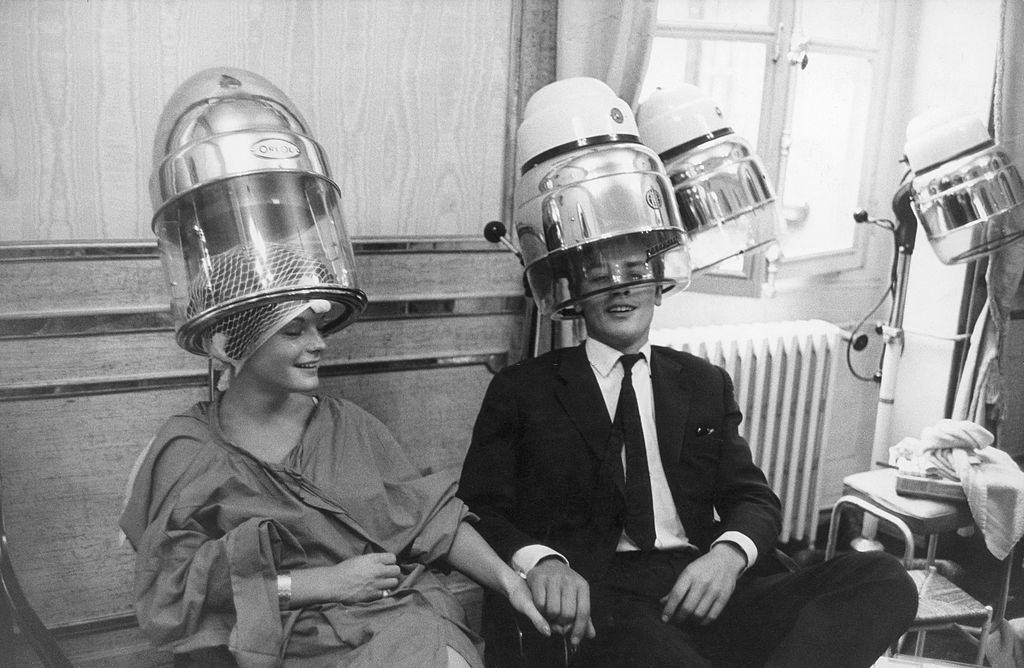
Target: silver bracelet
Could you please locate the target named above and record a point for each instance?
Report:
(284, 590)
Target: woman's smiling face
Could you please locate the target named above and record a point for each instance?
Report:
(290, 358)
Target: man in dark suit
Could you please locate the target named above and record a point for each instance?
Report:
(676, 569)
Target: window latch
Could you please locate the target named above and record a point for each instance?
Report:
(798, 53)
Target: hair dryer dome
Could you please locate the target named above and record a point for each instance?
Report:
(725, 198)
(245, 210)
(966, 193)
(589, 195)
(568, 114)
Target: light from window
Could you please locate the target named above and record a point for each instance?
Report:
(731, 73)
(795, 78)
(826, 153)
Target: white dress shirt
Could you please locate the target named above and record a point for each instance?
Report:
(669, 532)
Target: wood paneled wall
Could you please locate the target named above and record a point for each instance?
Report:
(416, 104)
(89, 370)
(409, 98)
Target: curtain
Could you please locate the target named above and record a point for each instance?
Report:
(979, 395)
(609, 40)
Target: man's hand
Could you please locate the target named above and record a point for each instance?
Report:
(563, 597)
(705, 586)
(521, 599)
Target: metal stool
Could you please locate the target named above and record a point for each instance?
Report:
(942, 604)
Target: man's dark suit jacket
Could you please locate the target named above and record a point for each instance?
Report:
(540, 468)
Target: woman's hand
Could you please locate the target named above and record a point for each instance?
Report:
(362, 579)
(368, 577)
(518, 594)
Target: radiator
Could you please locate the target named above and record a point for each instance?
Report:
(785, 375)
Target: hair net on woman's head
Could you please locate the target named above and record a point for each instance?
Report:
(239, 273)
(245, 269)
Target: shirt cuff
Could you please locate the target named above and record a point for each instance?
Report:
(742, 542)
(525, 558)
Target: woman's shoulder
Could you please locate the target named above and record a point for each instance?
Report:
(342, 408)
(179, 448)
(188, 429)
(350, 421)
(184, 447)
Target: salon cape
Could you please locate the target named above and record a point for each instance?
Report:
(213, 526)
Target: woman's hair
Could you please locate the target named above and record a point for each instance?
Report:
(244, 271)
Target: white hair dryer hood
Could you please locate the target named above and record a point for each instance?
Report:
(246, 211)
(568, 114)
(593, 207)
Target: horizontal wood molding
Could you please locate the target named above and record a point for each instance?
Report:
(158, 319)
(154, 354)
(71, 280)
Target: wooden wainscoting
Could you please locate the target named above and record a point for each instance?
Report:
(89, 370)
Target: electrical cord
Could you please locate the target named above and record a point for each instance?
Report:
(859, 342)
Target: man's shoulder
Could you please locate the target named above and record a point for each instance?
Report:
(688, 361)
(551, 361)
(545, 364)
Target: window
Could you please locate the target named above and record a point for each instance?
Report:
(804, 82)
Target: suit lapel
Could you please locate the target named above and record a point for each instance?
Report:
(671, 404)
(582, 401)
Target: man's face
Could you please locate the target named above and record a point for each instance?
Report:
(620, 317)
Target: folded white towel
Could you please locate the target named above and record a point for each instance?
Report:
(952, 434)
(995, 493)
(962, 451)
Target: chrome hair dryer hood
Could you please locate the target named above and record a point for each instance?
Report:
(725, 198)
(594, 210)
(246, 211)
(966, 193)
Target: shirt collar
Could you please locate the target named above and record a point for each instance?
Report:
(603, 357)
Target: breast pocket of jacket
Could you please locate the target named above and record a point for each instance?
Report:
(701, 451)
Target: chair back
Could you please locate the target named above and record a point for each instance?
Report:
(15, 609)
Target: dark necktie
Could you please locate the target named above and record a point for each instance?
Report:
(639, 505)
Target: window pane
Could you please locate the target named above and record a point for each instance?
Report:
(823, 170)
(745, 12)
(843, 21)
(732, 73)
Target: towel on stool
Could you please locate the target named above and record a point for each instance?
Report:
(961, 450)
(995, 493)
(931, 455)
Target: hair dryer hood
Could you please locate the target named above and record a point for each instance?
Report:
(246, 211)
(966, 192)
(723, 193)
(594, 210)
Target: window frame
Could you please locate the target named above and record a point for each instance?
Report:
(780, 84)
